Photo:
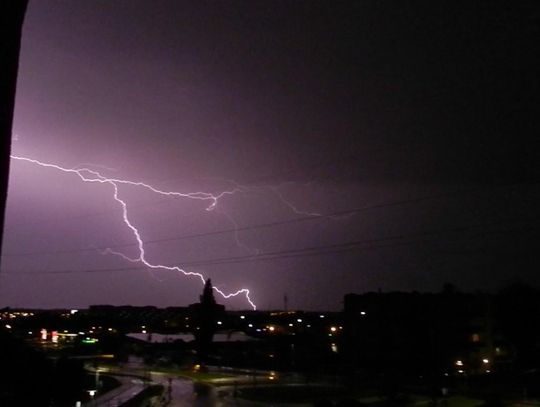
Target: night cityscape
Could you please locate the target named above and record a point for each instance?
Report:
(269, 203)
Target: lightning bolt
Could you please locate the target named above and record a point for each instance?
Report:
(92, 176)
(274, 189)
(293, 207)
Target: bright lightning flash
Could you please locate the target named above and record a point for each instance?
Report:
(88, 175)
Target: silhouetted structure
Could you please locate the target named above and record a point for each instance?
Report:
(517, 310)
(422, 334)
(205, 317)
(11, 19)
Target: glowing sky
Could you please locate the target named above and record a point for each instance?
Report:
(413, 126)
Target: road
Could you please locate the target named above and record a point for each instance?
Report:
(129, 387)
(181, 393)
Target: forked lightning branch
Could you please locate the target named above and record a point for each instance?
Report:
(88, 175)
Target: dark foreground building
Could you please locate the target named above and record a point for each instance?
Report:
(448, 333)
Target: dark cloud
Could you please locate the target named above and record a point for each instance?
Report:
(333, 107)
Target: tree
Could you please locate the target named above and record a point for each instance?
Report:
(205, 315)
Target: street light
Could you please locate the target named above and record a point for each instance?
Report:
(92, 393)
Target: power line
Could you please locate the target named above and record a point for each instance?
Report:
(359, 245)
(337, 248)
(332, 215)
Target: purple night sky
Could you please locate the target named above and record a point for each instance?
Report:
(409, 127)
